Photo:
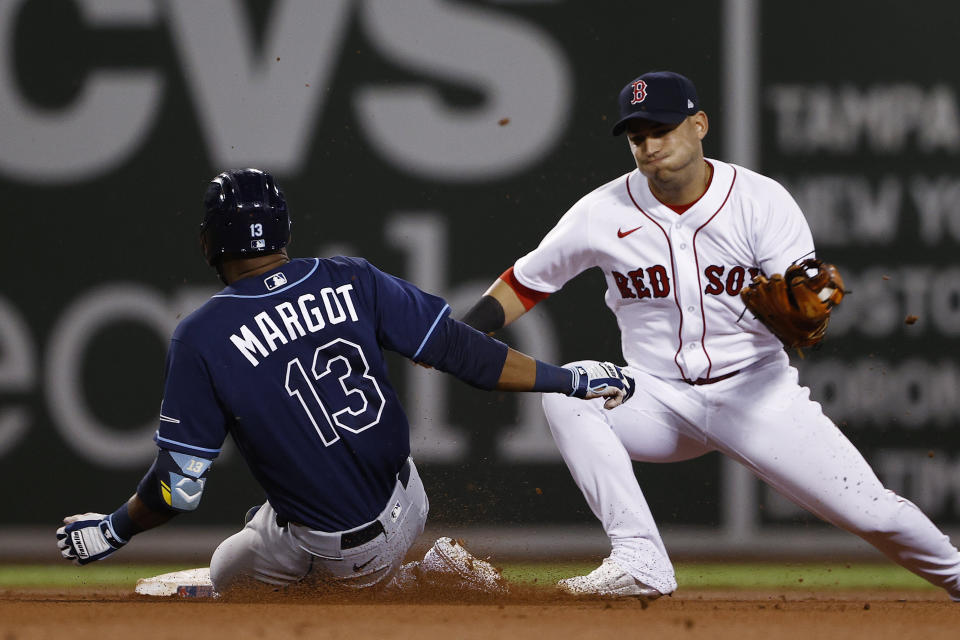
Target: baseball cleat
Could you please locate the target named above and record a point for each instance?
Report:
(407, 578)
(609, 579)
(448, 563)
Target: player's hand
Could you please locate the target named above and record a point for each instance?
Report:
(602, 380)
(86, 538)
(796, 306)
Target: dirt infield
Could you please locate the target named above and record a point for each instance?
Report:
(532, 614)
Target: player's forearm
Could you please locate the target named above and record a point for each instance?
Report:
(487, 363)
(135, 516)
(512, 306)
(152, 505)
(523, 373)
(145, 517)
(582, 380)
(519, 372)
(498, 307)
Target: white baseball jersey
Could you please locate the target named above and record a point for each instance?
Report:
(673, 280)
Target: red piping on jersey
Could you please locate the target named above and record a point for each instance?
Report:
(528, 297)
(673, 271)
(703, 313)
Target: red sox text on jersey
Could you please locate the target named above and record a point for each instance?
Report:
(635, 283)
(673, 278)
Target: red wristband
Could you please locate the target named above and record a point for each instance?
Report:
(527, 296)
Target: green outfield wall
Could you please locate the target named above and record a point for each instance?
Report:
(441, 139)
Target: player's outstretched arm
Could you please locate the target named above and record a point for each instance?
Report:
(596, 380)
(486, 363)
(88, 537)
(505, 301)
(498, 307)
(173, 484)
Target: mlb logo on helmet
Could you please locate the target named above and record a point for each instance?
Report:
(660, 96)
(274, 281)
(259, 243)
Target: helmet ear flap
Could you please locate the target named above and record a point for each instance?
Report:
(206, 248)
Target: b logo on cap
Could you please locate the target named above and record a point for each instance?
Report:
(639, 92)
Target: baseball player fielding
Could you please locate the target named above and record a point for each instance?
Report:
(677, 240)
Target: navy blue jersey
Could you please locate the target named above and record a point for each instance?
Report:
(290, 364)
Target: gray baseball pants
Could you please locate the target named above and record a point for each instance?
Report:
(265, 553)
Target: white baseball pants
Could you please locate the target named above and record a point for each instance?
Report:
(266, 554)
(763, 419)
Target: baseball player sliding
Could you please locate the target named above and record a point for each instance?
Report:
(685, 243)
(288, 360)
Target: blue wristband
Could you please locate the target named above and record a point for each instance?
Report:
(122, 524)
(551, 378)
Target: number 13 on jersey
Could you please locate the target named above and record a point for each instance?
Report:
(351, 400)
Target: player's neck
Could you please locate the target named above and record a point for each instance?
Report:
(684, 188)
(233, 270)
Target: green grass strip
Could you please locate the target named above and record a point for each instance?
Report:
(689, 575)
(68, 576)
(748, 575)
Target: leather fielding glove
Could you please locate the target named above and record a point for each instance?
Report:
(796, 306)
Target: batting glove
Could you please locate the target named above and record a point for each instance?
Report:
(87, 537)
(601, 380)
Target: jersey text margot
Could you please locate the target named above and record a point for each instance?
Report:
(333, 306)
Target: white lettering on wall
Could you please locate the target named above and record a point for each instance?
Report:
(869, 392)
(852, 210)
(928, 478)
(63, 380)
(18, 372)
(848, 209)
(107, 123)
(521, 73)
(260, 105)
(884, 295)
(882, 118)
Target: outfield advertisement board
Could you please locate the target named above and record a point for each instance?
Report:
(441, 139)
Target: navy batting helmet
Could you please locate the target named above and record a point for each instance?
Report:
(244, 214)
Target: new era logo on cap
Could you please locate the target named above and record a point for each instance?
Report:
(661, 96)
